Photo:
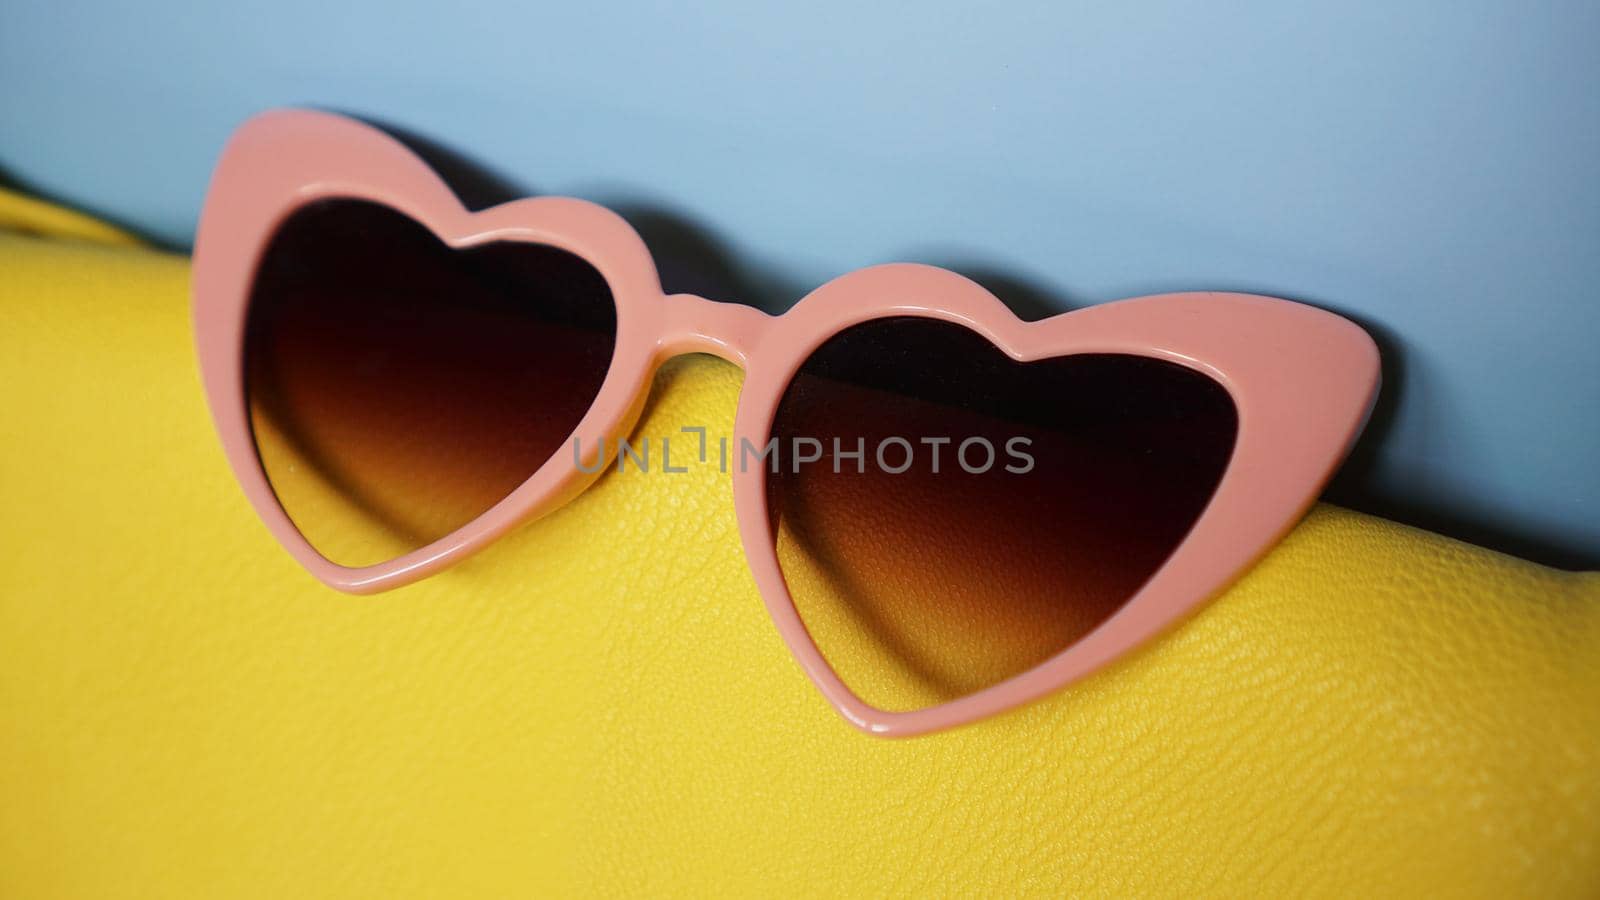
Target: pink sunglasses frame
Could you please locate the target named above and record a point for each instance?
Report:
(1303, 380)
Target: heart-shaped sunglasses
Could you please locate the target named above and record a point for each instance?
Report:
(948, 511)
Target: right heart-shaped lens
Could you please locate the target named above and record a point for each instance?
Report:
(947, 517)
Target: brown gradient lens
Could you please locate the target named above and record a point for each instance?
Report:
(399, 388)
(967, 568)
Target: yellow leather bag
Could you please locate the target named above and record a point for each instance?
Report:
(598, 705)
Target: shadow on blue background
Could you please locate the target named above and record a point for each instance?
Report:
(1431, 170)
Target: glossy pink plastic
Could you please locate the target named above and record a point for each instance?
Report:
(1303, 381)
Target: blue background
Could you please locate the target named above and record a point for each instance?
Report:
(1428, 168)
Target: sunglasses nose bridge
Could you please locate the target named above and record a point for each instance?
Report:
(695, 324)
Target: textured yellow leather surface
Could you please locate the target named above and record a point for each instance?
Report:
(599, 704)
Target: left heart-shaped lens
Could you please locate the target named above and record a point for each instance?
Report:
(398, 387)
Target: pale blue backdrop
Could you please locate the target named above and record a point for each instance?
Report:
(1432, 169)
